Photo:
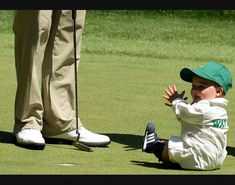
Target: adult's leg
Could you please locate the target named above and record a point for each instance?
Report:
(31, 29)
(58, 73)
(59, 80)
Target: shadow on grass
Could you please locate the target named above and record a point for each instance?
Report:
(157, 165)
(132, 142)
(231, 150)
(7, 137)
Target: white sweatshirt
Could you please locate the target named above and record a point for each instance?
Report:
(203, 140)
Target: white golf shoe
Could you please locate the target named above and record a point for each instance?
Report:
(86, 137)
(30, 138)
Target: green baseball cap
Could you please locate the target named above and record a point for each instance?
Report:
(213, 71)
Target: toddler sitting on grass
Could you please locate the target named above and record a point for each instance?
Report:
(203, 140)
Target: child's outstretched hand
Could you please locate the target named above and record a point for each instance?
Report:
(171, 94)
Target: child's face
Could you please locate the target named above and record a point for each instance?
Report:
(203, 89)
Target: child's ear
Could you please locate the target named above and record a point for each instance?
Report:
(219, 91)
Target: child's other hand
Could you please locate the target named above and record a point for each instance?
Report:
(171, 94)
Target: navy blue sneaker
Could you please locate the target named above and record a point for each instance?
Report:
(150, 138)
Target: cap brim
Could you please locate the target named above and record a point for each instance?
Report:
(186, 74)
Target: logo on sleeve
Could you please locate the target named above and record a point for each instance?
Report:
(221, 123)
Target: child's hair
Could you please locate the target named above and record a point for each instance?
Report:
(213, 71)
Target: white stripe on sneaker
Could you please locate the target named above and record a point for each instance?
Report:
(151, 135)
(151, 138)
(150, 141)
(145, 141)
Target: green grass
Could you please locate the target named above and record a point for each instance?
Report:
(127, 60)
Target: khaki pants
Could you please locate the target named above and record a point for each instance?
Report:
(44, 61)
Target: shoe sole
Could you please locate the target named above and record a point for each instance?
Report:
(66, 141)
(32, 146)
(58, 141)
(96, 144)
